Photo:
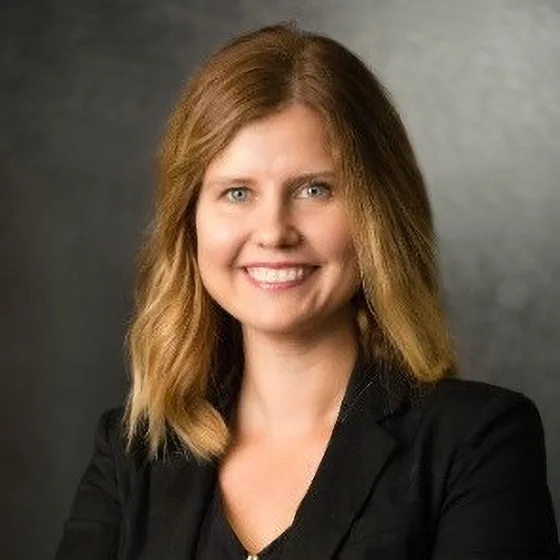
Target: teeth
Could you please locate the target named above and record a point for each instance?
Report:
(276, 275)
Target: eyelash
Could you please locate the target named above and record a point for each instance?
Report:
(307, 186)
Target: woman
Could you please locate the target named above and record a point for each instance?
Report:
(293, 391)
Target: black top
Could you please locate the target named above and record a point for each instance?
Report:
(218, 540)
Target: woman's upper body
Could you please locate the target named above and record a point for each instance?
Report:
(455, 472)
(290, 350)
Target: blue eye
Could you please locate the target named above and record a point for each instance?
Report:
(236, 194)
(317, 190)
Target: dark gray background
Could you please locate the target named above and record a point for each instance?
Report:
(85, 90)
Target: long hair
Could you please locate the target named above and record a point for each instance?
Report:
(180, 342)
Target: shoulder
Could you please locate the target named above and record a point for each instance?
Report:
(125, 466)
(110, 438)
(110, 427)
(469, 435)
(464, 399)
(468, 394)
(464, 412)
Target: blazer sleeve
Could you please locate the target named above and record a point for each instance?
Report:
(498, 505)
(92, 529)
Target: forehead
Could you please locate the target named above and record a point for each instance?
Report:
(294, 139)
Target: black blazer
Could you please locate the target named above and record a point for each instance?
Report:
(454, 472)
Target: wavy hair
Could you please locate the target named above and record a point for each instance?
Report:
(180, 343)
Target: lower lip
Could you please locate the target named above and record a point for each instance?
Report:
(280, 286)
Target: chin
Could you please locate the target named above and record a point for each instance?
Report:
(279, 328)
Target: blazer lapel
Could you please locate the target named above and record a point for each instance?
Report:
(180, 490)
(355, 456)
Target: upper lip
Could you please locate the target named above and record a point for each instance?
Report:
(284, 264)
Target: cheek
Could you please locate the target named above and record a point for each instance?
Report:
(336, 245)
(215, 242)
(334, 240)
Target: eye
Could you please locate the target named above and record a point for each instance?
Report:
(316, 190)
(236, 194)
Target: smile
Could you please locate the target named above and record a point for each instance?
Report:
(279, 277)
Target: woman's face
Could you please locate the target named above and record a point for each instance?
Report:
(274, 245)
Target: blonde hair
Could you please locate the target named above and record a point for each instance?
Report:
(180, 342)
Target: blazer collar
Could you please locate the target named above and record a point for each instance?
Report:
(181, 488)
(356, 454)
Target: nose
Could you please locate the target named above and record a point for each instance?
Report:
(274, 225)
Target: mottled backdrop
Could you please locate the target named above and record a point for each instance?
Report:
(85, 90)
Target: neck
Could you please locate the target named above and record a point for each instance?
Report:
(294, 387)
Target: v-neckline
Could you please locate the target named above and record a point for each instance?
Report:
(225, 525)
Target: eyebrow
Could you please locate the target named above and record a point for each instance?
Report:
(298, 179)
